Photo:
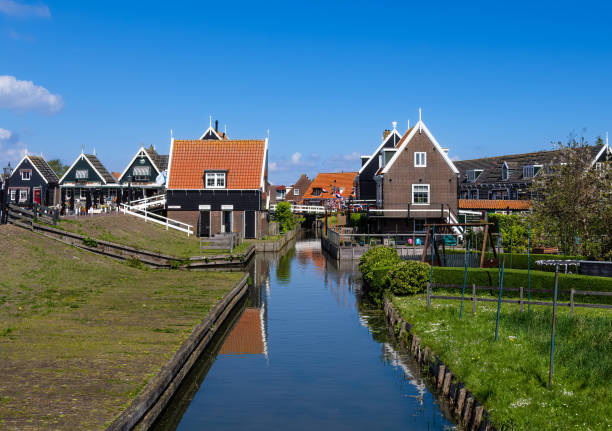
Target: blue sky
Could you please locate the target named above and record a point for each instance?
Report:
(324, 77)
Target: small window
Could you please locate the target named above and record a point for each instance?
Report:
(141, 173)
(316, 191)
(419, 225)
(504, 172)
(296, 192)
(26, 174)
(83, 194)
(82, 174)
(420, 194)
(13, 195)
(215, 180)
(420, 159)
(68, 194)
(23, 195)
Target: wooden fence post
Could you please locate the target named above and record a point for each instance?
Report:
(473, 298)
(572, 302)
(428, 296)
(521, 295)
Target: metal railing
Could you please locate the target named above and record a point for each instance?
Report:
(156, 218)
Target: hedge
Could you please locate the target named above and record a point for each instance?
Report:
(519, 260)
(518, 277)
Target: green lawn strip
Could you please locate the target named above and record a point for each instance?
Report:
(539, 279)
(81, 335)
(510, 377)
(134, 232)
(519, 260)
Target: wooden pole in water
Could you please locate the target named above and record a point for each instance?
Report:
(467, 258)
(554, 321)
(501, 284)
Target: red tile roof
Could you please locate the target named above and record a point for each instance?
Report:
(484, 204)
(243, 161)
(117, 175)
(339, 180)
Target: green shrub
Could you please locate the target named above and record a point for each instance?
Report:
(90, 242)
(376, 258)
(285, 218)
(539, 280)
(408, 277)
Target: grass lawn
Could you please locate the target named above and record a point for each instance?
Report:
(135, 232)
(510, 377)
(81, 334)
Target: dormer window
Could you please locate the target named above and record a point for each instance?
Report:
(473, 174)
(26, 174)
(142, 173)
(316, 191)
(215, 180)
(529, 171)
(504, 172)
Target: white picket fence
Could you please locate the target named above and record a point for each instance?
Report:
(156, 218)
(153, 202)
(310, 209)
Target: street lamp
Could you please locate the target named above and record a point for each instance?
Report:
(129, 178)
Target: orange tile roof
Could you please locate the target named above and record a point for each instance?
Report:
(401, 141)
(484, 204)
(243, 161)
(341, 180)
(117, 175)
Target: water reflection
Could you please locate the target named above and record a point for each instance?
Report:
(305, 351)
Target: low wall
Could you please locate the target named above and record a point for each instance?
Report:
(353, 253)
(149, 258)
(466, 410)
(263, 246)
(147, 407)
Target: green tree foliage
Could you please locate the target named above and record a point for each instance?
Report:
(58, 167)
(574, 206)
(285, 218)
(513, 228)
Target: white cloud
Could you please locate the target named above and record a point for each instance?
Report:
(25, 96)
(455, 158)
(12, 149)
(296, 157)
(12, 8)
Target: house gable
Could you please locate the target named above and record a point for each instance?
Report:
(82, 164)
(142, 168)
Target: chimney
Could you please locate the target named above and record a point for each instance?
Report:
(386, 133)
(216, 125)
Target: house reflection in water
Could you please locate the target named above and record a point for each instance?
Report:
(249, 335)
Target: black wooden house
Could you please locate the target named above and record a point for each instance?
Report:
(145, 175)
(32, 181)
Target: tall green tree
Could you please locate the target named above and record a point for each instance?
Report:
(573, 209)
(58, 167)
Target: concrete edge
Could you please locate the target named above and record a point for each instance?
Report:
(466, 409)
(146, 408)
(279, 244)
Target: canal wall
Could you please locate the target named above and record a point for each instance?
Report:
(465, 408)
(355, 252)
(144, 410)
(150, 258)
(269, 246)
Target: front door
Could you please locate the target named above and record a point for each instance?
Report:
(226, 222)
(37, 196)
(204, 223)
(249, 224)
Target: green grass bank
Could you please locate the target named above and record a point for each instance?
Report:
(510, 377)
(81, 334)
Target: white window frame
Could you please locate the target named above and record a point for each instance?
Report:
(23, 174)
(23, 192)
(13, 195)
(82, 194)
(296, 192)
(420, 159)
(475, 174)
(78, 174)
(504, 175)
(428, 194)
(216, 177)
(68, 194)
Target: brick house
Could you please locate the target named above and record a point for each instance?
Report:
(415, 180)
(504, 182)
(218, 185)
(296, 192)
(326, 186)
(32, 181)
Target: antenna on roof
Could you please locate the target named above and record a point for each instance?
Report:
(225, 129)
(408, 124)
(210, 121)
(268, 134)
(82, 149)
(171, 134)
(94, 153)
(606, 139)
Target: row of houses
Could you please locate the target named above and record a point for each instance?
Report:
(220, 185)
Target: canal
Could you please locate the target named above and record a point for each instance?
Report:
(303, 351)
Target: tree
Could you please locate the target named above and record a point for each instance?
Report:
(58, 167)
(573, 209)
(284, 216)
